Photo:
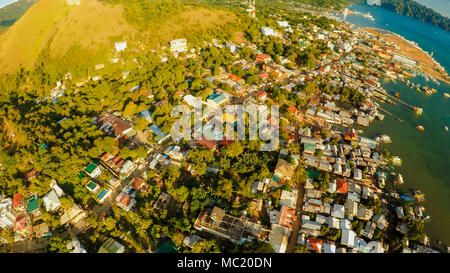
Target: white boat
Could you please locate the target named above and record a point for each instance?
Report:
(400, 179)
(446, 128)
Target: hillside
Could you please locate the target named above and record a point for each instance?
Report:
(12, 12)
(81, 35)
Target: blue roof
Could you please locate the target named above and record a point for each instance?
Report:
(146, 114)
(155, 129)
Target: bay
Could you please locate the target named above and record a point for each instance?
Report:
(425, 154)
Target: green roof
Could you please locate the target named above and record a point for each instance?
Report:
(33, 204)
(310, 147)
(90, 168)
(92, 185)
(312, 174)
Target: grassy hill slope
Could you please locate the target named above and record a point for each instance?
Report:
(80, 35)
(12, 12)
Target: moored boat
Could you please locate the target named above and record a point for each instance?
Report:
(420, 128)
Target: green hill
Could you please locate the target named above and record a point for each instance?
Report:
(12, 12)
(77, 36)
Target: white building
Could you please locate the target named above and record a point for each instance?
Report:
(348, 238)
(178, 45)
(51, 201)
(120, 46)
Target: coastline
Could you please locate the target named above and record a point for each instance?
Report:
(429, 65)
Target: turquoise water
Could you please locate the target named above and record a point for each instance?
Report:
(426, 153)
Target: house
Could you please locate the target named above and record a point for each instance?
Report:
(217, 99)
(329, 247)
(341, 185)
(311, 225)
(284, 169)
(288, 216)
(261, 95)
(7, 214)
(348, 238)
(289, 198)
(314, 244)
(190, 240)
(127, 167)
(268, 31)
(375, 247)
(147, 115)
(338, 211)
(72, 215)
(263, 59)
(113, 125)
(258, 187)
(139, 184)
(120, 46)
(17, 202)
(125, 201)
(51, 201)
(75, 246)
(178, 45)
(41, 230)
(209, 144)
(93, 170)
(364, 213)
(215, 221)
(163, 201)
(279, 238)
(357, 174)
(381, 221)
(160, 137)
(92, 186)
(111, 246)
(333, 222)
(399, 212)
(33, 204)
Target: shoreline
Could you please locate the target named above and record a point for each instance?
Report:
(428, 65)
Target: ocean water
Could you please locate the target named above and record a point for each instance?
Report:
(4, 3)
(425, 154)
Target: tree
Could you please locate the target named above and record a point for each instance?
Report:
(66, 202)
(206, 246)
(178, 238)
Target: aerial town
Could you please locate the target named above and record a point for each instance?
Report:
(325, 189)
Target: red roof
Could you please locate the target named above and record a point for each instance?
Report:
(341, 185)
(20, 223)
(261, 58)
(292, 109)
(234, 78)
(209, 144)
(287, 217)
(17, 200)
(314, 243)
(138, 183)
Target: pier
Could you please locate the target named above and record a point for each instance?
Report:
(417, 110)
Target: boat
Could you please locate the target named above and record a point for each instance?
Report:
(400, 179)
(446, 95)
(397, 95)
(446, 128)
(400, 120)
(420, 197)
(420, 128)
